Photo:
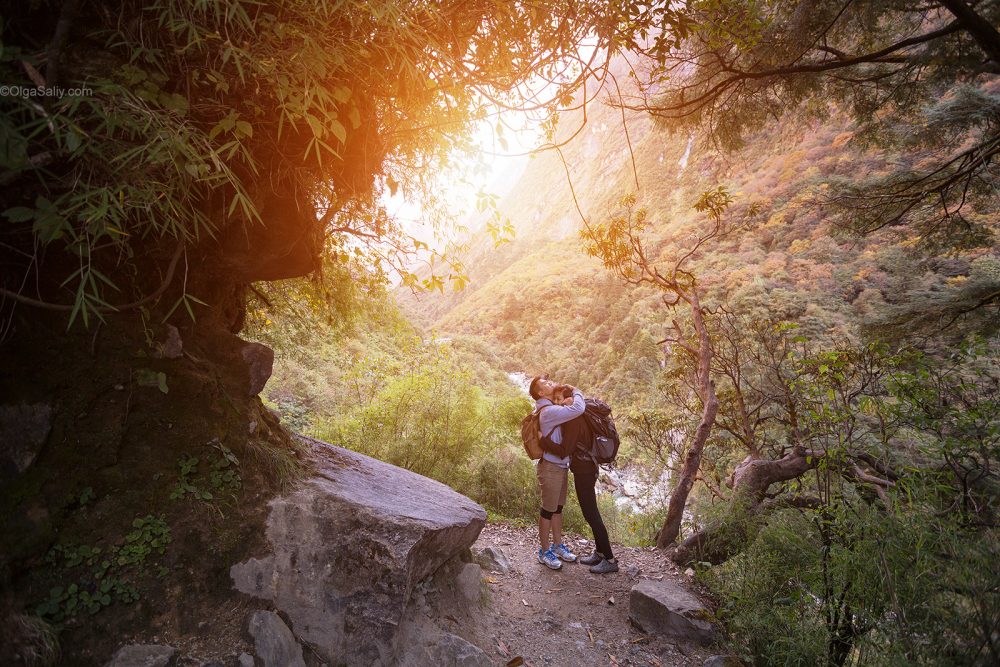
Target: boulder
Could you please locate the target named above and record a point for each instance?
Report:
(494, 559)
(259, 362)
(348, 544)
(665, 608)
(144, 655)
(273, 642)
(245, 660)
(24, 428)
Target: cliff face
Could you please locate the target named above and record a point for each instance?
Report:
(141, 451)
(137, 472)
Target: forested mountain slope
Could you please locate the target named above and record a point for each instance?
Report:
(550, 308)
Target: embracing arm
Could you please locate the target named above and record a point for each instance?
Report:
(562, 450)
(554, 415)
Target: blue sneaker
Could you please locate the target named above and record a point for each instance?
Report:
(549, 559)
(564, 553)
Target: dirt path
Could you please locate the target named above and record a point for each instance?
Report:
(572, 617)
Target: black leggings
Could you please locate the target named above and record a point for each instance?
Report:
(586, 494)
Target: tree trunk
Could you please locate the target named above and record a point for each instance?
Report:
(985, 34)
(706, 391)
(719, 541)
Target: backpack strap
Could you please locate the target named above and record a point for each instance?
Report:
(539, 413)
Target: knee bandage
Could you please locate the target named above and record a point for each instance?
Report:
(558, 510)
(546, 514)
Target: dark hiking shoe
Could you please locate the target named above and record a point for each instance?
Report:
(605, 566)
(592, 559)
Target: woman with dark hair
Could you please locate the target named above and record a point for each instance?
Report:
(585, 473)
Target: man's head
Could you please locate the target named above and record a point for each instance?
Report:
(541, 387)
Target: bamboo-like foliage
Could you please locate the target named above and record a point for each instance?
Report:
(185, 126)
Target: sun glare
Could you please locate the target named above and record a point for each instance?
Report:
(501, 150)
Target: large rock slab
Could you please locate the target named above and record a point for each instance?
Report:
(666, 608)
(349, 544)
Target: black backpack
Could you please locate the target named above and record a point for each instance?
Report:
(604, 444)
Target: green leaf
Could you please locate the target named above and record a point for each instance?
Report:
(315, 125)
(341, 93)
(19, 214)
(72, 141)
(145, 377)
(338, 130)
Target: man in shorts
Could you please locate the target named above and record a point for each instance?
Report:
(553, 471)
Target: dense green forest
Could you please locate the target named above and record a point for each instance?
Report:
(765, 232)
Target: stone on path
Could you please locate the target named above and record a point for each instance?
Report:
(722, 661)
(665, 608)
(348, 545)
(273, 642)
(144, 655)
(494, 559)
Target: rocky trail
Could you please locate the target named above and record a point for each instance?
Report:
(369, 564)
(570, 616)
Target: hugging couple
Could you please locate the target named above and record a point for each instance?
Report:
(562, 425)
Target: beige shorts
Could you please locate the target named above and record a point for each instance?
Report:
(554, 482)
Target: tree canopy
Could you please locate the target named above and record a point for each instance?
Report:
(918, 79)
(166, 152)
